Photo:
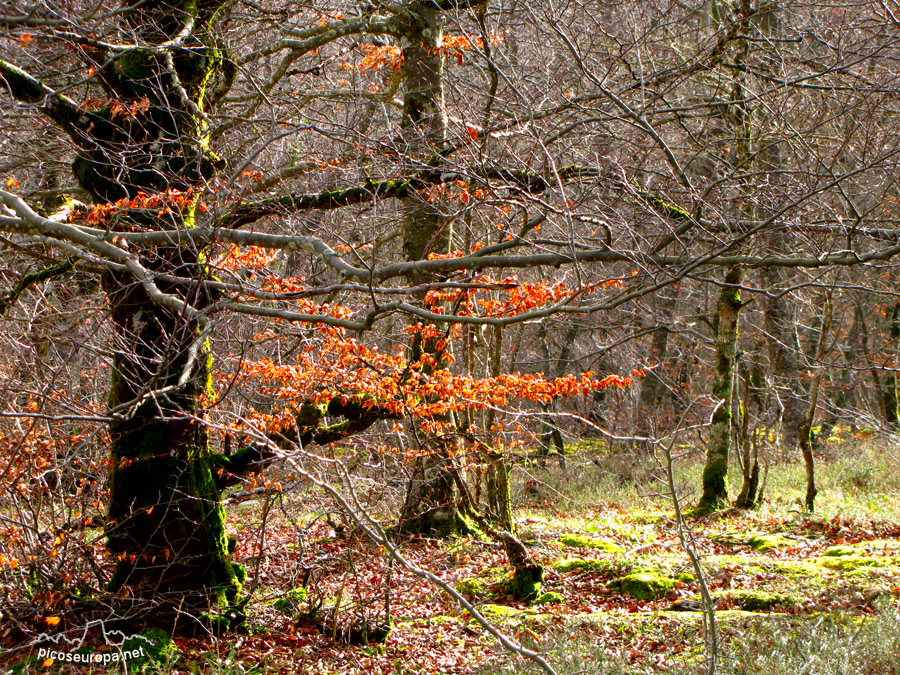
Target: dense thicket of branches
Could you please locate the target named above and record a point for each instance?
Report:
(276, 225)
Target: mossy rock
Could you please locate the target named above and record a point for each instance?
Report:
(769, 542)
(582, 541)
(290, 602)
(503, 613)
(473, 588)
(745, 565)
(758, 601)
(840, 551)
(643, 585)
(586, 564)
(548, 598)
(685, 578)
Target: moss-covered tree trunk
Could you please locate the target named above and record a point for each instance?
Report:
(165, 525)
(715, 472)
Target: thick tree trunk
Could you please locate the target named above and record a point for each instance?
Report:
(166, 524)
(715, 472)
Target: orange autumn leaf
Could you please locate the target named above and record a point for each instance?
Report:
(52, 620)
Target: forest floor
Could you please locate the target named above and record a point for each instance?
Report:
(615, 578)
(793, 588)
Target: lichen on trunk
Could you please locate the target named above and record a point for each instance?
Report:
(715, 472)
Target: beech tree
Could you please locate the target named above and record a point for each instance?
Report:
(455, 167)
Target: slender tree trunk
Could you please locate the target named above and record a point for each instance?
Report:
(550, 432)
(747, 497)
(806, 433)
(783, 357)
(715, 473)
(498, 469)
(863, 337)
(652, 385)
(889, 389)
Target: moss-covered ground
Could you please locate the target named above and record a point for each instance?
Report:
(617, 583)
(614, 573)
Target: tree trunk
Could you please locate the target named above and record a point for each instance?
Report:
(747, 497)
(432, 506)
(653, 386)
(715, 473)
(783, 357)
(889, 390)
(551, 434)
(166, 525)
(806, 433)
(863, 337)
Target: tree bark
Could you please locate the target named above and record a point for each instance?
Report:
(165, 525)
(806, 433)
(715, 472)
(432, 505)
(653, 386)
(747, 497)
(889, 390)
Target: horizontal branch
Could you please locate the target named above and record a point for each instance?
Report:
(26, 88)
(97, 240)
(397, 188)
(304, 41)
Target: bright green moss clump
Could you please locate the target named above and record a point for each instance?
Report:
(643, 585)
(473, 588)
(586, 564)
(848, 563)
(548, 598)
(769, 542)
(582, 541)
(290, 602)
(760, 541)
